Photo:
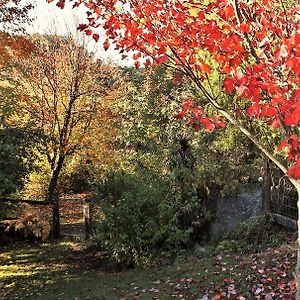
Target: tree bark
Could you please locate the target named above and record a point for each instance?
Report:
(53, 197)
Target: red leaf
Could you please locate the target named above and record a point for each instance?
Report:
(275, 123)
(196, 126)
(238, 112)
(208, 124)
(229, 85)
(294, 172)
(162, 59)
(97, 11)
(192, 60)
(282, 145)
(96, 37)
(188, 104)
(82, 27)
(61, 4)
(137, 64)
(245, 28)
(268, 111)
(177, 77)
(206, 68)
(147, 63)
(293, 117)
(106, 45)
(91, 20)
(293, 285)
(196, 113)
(281, 285)
(162, 50)
(180, 115)
(76, 4)
(88, 32)
(221, 124)
(253, 110)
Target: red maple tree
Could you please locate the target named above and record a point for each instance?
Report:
(253, 47)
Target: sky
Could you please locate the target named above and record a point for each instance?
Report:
(48, 18)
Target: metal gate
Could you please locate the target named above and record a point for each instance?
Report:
(284, 201)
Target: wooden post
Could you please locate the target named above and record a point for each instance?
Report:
(87, 221)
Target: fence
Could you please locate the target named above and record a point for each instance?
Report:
(284, 201)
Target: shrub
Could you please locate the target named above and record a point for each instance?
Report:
(141, 218)
(33, 222)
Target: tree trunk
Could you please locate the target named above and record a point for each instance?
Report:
(297, 185)
(53, 198)
(267, 184)
(55, 218)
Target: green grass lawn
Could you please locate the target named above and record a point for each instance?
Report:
(64, 270)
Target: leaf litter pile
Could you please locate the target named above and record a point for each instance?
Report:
(267, 275)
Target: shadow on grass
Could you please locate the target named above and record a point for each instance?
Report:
(64, 270)
(31, 271)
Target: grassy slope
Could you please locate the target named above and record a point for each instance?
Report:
(63, 271)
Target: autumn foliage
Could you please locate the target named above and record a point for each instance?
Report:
(32, 222)
(13, 14)
(254, 47)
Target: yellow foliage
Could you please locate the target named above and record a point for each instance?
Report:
(194, 11)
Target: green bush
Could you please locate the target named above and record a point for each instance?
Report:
(141, 218)
(17, 157)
